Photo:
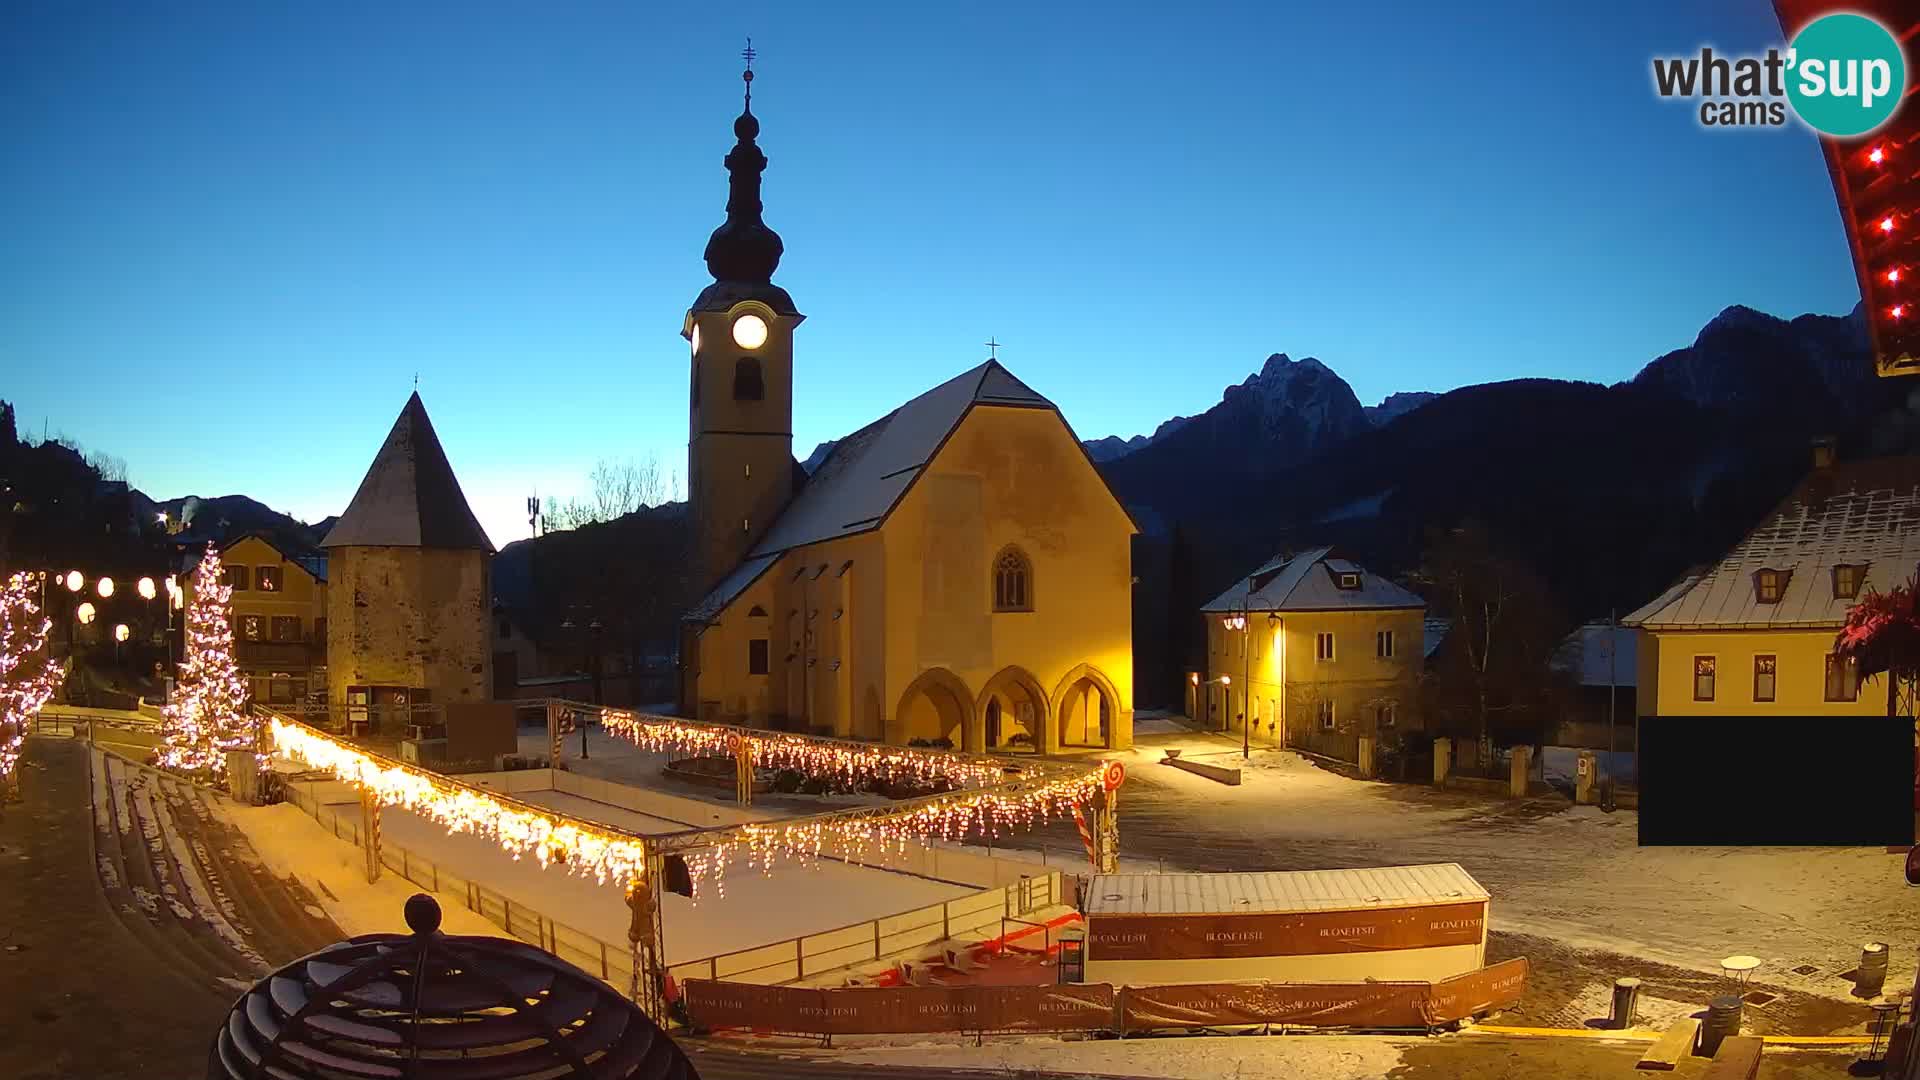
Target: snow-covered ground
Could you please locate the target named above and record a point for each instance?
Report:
(1573, 874)
(291, 843)
(756, 909)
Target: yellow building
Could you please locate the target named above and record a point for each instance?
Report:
(1754, 634)
(1316, 650)
(279, 617)
(956, 570)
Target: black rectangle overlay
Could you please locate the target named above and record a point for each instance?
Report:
(1761, 781)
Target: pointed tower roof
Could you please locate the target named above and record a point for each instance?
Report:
(409, 497)
(743, 252)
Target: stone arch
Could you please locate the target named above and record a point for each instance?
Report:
(1011, 688)
(937, 705)
(1086, 709)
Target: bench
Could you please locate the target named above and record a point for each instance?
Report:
(1676, 1043)
(1738, 1059)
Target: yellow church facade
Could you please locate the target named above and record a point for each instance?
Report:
(955, 573)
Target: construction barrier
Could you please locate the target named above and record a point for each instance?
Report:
(829, 1011)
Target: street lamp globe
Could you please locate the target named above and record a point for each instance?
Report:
(146, 588)
(106, 587)
(84, 612)
(120, 632)
(74, 581)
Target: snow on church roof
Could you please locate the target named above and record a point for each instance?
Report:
(866, 473)
(1862, 513)
(409, 497)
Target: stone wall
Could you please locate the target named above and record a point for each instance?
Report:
(414, 617)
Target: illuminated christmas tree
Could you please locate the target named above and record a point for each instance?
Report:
(28, 673)
(207, 715)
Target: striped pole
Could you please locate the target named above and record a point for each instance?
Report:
(370, 832)
(1086, 836)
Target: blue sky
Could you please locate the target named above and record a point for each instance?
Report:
(232, 234)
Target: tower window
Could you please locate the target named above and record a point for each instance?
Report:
(747, 385)
(1012, 581)
(757, 656)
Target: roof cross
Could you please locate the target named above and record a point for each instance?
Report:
(748, 54)
(993, 349)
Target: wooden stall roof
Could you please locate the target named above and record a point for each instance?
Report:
(1270, 891)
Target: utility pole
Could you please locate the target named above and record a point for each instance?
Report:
(1246, 687)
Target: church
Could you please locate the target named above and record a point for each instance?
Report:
(954, 573)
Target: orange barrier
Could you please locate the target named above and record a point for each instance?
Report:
(1099, 1007)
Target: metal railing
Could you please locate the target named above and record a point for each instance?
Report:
(612, 962)
(811, 955)
(785, 961)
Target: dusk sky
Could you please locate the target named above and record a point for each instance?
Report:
(232, 234)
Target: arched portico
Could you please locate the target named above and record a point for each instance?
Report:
(1086, 710)
(937, 705)
(1010, 703)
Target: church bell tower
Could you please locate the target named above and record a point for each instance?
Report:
(740, 404)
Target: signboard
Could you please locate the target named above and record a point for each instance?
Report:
(1282, 933)
(1381, 1005)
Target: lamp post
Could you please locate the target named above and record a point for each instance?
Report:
(594, 630)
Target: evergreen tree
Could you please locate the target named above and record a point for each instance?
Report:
(207, 714)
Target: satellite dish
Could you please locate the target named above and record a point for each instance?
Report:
(1913, 865)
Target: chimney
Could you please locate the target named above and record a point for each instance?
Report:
(1823, 452)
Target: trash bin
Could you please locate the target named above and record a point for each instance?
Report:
(1872, 975)
(1626, 999)
(1723, 1019)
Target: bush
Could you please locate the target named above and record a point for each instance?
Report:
(788, 781)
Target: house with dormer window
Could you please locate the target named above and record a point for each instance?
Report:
(1753, 634)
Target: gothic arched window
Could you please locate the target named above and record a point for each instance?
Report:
(746, 380)
(1012, 581)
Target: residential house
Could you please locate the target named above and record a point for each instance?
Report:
(1314, 650)
(1754, 633)
(1601, 660)
(279, 616)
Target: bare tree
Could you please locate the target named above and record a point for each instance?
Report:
(615, 488)
(1495, 663)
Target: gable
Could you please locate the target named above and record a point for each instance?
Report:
(1031, 471)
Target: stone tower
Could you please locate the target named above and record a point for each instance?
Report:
(740, 408)
(408, 597)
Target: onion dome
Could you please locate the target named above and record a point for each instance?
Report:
(430, 1006)
(743, 250)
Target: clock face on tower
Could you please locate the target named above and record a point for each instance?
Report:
(749, 331)
(696, 341)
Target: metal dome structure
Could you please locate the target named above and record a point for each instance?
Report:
(430, 1006)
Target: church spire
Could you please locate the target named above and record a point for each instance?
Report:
(743, 249)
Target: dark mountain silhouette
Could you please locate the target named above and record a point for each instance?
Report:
(1608, 492)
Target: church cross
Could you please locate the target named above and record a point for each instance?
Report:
(993, 349)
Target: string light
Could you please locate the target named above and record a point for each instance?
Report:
(1893, 276)
(1877, 155)
(28, 674)
(207, 714)
(1000, 804)
(1886, 224)
(581, 847)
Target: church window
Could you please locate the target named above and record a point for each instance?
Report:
(757, 656)
(1012, 581)
(747, 385)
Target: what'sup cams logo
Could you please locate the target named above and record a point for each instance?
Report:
(1842, 75)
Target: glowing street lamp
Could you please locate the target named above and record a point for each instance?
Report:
(106, 587)
(120, 632)
(84, 612)
(146, 589)
(75, 582)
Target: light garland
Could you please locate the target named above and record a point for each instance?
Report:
(207, 714)
(858, 835)
(848, 762)
(588, 848)
(578, 846)
(28, 674)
